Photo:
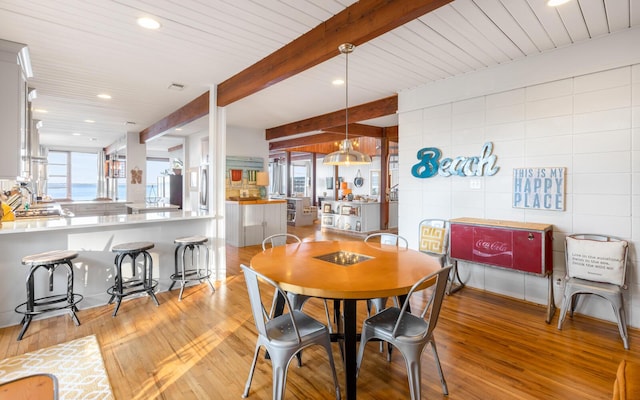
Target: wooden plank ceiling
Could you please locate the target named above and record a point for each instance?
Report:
(82, 48)
(357, 24)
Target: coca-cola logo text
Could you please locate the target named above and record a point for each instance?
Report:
(494, 246)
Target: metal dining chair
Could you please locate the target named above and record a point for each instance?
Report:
(282, 336)
(433, 235)
(605, 277)
(297, 300)
(380, 303)
(410, 333)
(393, 240)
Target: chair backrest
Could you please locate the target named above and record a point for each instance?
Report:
(431, 303)
(433, 236)
(260, 314)
(389, 238)
(598, 258)
(279, 239)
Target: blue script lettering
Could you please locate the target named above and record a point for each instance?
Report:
(430, 163)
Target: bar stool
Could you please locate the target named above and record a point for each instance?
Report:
(125, 287)
(49, 260)
(197, 272)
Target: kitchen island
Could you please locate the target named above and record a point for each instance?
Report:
(249, 222)
(92, 237)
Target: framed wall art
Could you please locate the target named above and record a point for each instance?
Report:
(539, 188)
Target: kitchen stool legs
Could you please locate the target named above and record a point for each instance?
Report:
(125, 287)
(34, 306)
(197, 271)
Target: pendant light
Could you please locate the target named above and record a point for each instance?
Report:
(346, 155)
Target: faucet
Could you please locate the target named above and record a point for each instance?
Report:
(31, 197)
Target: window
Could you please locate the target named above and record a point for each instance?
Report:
(58, 175)
(72, 175)
(84, 176)
(299, 179)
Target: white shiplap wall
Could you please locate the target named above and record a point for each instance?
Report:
(568, 108)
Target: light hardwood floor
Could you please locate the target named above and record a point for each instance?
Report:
(491, 347)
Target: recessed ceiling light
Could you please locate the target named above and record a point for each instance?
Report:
(104, 96)
(556, 3)
(89, 121)
(338, 82)
(148, 23)
(178, 129)
(76, 134)
(93, 139)
(41, 110)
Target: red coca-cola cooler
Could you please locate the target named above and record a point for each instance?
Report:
(520, 246)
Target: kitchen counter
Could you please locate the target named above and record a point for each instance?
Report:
(51, 224)
(259, 201)
(74, 202)
(93, 237)
(137, 208)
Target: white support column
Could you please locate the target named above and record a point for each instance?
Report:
(217, 151)
(136, 160)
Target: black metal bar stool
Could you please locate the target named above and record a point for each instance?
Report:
(125, 287)
(197, 271)
(49, 260)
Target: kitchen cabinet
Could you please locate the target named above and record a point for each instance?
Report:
(248, 223)
(15, 68)
(351, 216)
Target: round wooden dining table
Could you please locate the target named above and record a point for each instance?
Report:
(348, 271)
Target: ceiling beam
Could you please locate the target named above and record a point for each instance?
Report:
(362, 112)
(305, 141)
(199, 107)
(356, 24)
(357, 130)
(363, 144)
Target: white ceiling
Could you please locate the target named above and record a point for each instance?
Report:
(80, 48)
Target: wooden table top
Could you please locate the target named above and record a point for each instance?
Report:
(389, 272)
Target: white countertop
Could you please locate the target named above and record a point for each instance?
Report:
(45, 224)
(148, 206)
(64, 203)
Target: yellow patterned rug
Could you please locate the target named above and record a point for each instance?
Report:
(77, 364)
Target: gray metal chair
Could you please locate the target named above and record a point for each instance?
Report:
(605, 277)
(433, 237)
(393, 240)
(297, 300)
(389, 238)
(280, 239)
(410, 333)
(283, 336)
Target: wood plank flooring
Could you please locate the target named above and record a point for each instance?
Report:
(491, 347)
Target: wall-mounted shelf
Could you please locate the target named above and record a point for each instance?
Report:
(351, 216)
(300, 212)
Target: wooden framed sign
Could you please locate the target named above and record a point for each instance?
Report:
(539, 188)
